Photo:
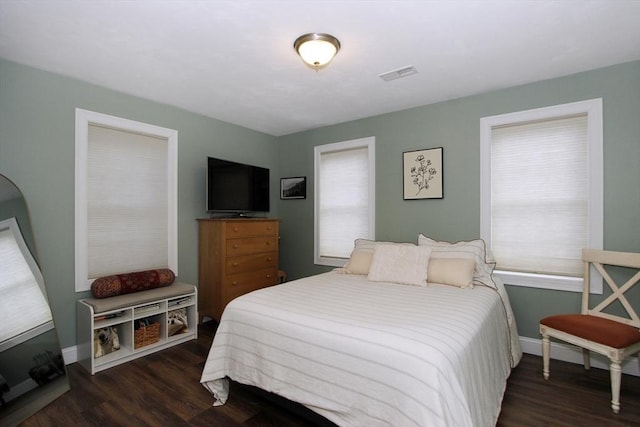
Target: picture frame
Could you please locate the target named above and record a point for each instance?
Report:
(422, 174)
(293, 187)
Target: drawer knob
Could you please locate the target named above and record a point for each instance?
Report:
(269, 258)
(235, 264)
(268, 243)
(234, 283)
(235, 246)
(268, 276)
(235, 229)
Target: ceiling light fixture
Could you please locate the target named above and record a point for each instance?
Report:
(317, 49)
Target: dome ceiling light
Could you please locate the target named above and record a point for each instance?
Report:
(317, 49)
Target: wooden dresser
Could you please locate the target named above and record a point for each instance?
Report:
(236, 256)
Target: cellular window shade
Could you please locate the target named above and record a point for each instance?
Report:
(23, 304)
(127, 202)
(539, 196)
(344, 200)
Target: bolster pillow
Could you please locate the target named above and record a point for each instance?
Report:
(120, 284)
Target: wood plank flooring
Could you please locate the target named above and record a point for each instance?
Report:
(164, 390)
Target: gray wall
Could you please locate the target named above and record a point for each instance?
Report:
(37, 152)
(37, 145)
(455, 125)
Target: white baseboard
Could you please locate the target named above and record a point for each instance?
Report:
(19, 389)
(564, 352)
(70, 355)
(569, 353)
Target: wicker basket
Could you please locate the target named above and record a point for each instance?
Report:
(146, 335)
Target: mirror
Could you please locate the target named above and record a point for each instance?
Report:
(32, 370)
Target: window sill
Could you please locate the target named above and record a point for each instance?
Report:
(546, 281)
(26, 336)
(330, 262)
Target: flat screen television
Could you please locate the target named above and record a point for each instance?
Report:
(236, 188)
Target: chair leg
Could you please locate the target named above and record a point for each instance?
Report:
(616, 378)
(586, 357)
(545, 356)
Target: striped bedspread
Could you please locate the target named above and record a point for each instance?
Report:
(364, 353)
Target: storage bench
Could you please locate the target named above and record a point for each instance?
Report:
(125, 313)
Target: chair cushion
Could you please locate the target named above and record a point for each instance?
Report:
(593, 328)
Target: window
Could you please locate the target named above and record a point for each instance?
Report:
(24, 307)
(126, 197)
(344, 198)
(541, 193)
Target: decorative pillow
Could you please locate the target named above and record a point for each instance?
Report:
(360, 259)
(120, 284)
(405, 264)
(475, 249)
(177, 321)
(452, 271)
(359, 262)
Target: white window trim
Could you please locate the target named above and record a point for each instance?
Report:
(12, 225)
(84, 118)
(593, 109)
(368, 142)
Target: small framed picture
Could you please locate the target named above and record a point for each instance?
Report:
(422, 174)
(294, 187)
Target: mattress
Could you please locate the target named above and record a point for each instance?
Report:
(364, 353)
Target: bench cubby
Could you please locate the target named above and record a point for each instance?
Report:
(125, 313)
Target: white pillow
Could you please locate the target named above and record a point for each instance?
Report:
(396, 263)
(360, 259)
(474, 249)
(452, 271)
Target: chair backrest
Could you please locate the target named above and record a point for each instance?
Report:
(599, 259)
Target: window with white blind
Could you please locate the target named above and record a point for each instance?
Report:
(542, 201)
(344, 198)
(126, 197)
(24, 307)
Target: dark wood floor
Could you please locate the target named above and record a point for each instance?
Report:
(163, 390)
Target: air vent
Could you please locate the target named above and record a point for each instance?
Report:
(396, 74)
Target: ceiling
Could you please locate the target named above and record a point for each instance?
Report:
(234, 60)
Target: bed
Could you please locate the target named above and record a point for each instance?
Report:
(365, 350)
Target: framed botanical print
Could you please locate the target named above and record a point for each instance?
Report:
(422, 174)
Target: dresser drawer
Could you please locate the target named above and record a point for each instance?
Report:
(240, 264)
(240, 229)
(237, 284)
(236, 256)
(252, 245)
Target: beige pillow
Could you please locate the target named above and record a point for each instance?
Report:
(359, 262)
(473, 249)
(451, 271)
(405, 264)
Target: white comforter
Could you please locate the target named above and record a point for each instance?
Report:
(364, 353)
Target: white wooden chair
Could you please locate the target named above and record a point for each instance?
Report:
(614, 336)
